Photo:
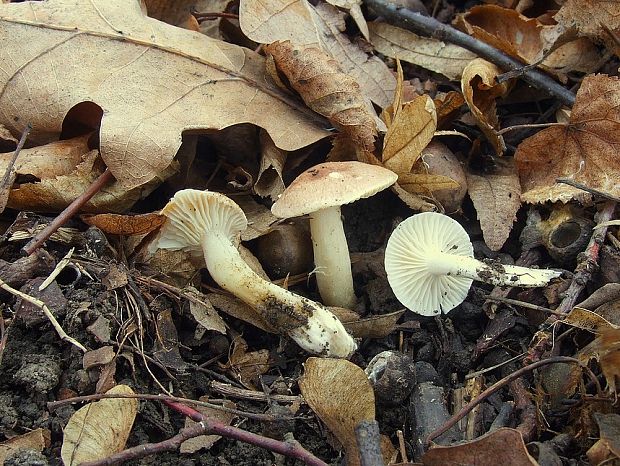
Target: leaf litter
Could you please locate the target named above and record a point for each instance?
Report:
(240, 98)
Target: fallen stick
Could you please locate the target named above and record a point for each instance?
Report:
(430, 27)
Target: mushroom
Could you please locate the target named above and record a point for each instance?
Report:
(208, 221)
(320, 191)
(430, 265)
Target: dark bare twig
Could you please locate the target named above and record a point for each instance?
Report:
(369, 443)
(430, 27)
(585, 188)
(207, 426)
(498, 385)
(69, 212)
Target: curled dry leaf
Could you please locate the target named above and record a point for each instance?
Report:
(321, 26)
(522, 37)
(355, 10)
(315, 75)
(55, 193)
(497, 197)
(246, 366)
(429, 53)
(99, 429)
(379, 326)
(177, 13)
(481, 91)
(607, 449)
(585, 150)
(269, 182)
(597, 19)
(165, 71)
(412, 129)
(503, 446)
(340, 393)
(128, 225)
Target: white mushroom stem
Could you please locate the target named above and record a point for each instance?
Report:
(493, 273)
(331, 258)
(311, 325)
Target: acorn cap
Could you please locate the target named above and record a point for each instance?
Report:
(331, 184)
(409, 251)
(192, 213)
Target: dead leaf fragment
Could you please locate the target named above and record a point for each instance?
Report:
(37, 440)
(177, 13)
(269, 182)
(497, 198)
(607, 449)
(378, 326)
(480, 90)
(410, 132)
(321, 26)
(165, 71)
(503, 446)
(318, 79)
(246, 366)
(99, 429)
(355, 10)
(429, 53)
(585, 150)
(205, 442)
(341, 395)
(127, 225)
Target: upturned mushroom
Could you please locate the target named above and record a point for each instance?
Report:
(430, 265)
(211, 222)
(319, 192)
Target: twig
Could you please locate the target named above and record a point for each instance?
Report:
(495, 387)
(430, 27)
(587, 189)
(234, 392)
(369, 443)
(515, 302)
(9, 175)
(207, 426)
(53, 405)
(41, 305)
(69, 212)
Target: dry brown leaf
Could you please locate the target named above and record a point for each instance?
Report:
(127, 225)
(503, 446)
(203, 311)
(315, 75)
(378, 326)
(522, 37)
(238, 309)
(432, 54)
(321, 26)
(55, 193)
(259, 217)
(497, 197)
(36, 440)
(597, 19)
(426, 184)
(340, 393)
(269, 182)
(246, 366)
(201, 442)
(177, 12)
(607, 449)
(448, 105)
(99, 429)
(586, 150)
(355, 10)
(412, 129)
(480, 91)
(173, 80)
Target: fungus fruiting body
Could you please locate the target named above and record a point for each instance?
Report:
(430, 265)
(319, 192)
(211, 222)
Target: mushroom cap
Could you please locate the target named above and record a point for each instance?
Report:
(331, 184)
(410, 250)
(192, 213)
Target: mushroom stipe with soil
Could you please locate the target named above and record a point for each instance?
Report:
(210, 222)
(430, 265)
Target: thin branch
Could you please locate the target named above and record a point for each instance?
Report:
(69, 212)
(430, 27)
(9, 175)
(495, 387)
(587, 189)
(41, 305)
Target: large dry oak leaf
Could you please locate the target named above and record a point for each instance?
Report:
(587, 149)
(152, 80)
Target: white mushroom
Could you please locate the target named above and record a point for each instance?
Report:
(430, 265)
(207, 221)
(320, 191)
